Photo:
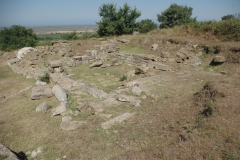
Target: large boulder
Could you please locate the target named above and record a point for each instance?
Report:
(25, 50)
(59, 93)
(39, 92)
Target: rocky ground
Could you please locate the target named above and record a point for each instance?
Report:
(130, 97)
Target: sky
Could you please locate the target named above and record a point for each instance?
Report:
(33, 13)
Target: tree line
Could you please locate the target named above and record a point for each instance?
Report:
(114, 21)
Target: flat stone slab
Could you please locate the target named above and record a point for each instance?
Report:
(67, 124)
(55, 64)
(160, 66)
(95, 92)
(117, 120)
(39, 92)
(96, 107)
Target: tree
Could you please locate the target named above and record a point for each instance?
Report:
(175, 15)
(228, 17)
(17, 37)
(146, 25)
(117, 21)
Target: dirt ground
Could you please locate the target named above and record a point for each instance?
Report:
(194, 113)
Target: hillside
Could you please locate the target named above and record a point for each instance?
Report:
(159, 95)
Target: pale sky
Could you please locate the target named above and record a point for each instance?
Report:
(32, 13)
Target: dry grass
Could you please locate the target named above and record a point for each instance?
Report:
(171, 126)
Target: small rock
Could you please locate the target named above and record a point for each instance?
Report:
(40, 83)
(60, 109)
(66, 118)
(195, 46)
(160, 66)
(140, 70)
(154, 47)
(136, 103)
(219, 59)
(96, 64)
(43, 107)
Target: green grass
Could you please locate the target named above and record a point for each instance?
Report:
(225, 30)
(49, 37)
(131, 48)
(99, 77)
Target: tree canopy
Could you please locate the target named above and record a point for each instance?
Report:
(175, 15)
(146, 25)
(228, 17)
(17, 37)
(117, 21)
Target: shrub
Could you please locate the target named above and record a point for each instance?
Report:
(117, 21)
(17, 37)
(45, 78)
(175, 15)
(146, 25)
(123, 78)
(69, 36)
(225, 30)
(88, 35)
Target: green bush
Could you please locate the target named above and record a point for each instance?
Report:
(146, 25)
(175, 15)
(69, 36)
(88, 35)
(45, 78)
(123, 78)
(17, 37)
(117, 21)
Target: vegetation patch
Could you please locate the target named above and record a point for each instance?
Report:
(45, 78)
(17, 37)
